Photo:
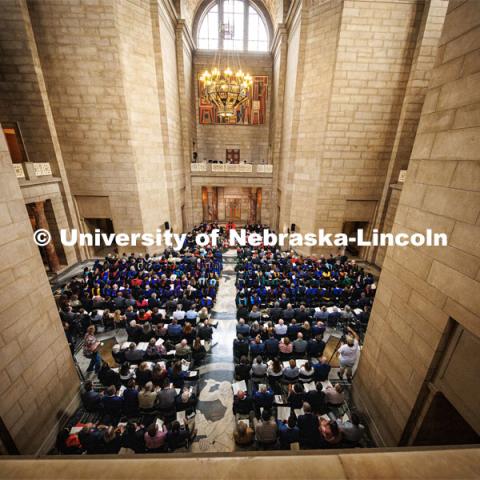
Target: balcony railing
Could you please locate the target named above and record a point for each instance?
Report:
(230, 168)
(31, 170)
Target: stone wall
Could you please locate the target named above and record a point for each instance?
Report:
(388, 221)
(375, 49)
(110, 71)
(292, 67)
(348, 68)
(185, 49)
(279, 53)
(21, 99)
(38, 377)
(422, 290)
(150, 155)
(168, 78)
(430, 29)
(320, 23)
(448, 463)
(187, 9)
(24, 100)
(78, 46)
(277, 10)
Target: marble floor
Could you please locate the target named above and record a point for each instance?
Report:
(215, 419)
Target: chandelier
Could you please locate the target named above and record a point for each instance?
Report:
(226, 90)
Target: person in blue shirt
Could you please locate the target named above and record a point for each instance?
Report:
(242, 328)
(322, 370)
(174, 330)
(112, 404)
(130, 399)
(192, 315)
(176, 375)
(288, 432)
(257, 347)
(293, 329)
(318, 328)
(263, 398)
(92, 400)
(321, 315)
(315, 346)
(271, 346)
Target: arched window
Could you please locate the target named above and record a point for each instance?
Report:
(233, 25)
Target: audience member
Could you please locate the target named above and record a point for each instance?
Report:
(92, 400)
(334, 395)
(265, 429)
(348, 354)
(308, 425)
(288, 432)
(243, 434)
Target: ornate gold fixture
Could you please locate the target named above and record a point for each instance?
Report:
(226, 90)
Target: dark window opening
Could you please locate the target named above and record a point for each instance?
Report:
(443, 425)
(14, 142)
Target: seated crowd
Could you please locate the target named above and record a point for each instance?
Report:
(146, 288)
(140, 403)
(148, 403)
(270, 277)
(276, 398)
(146, 412)
(284, 304)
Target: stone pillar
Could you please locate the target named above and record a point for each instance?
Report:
(420, 73)
(424, 292)
(41, 221)
(252, 217)
(39, 381)
(212, 204)
(259, 205)
(204, 204)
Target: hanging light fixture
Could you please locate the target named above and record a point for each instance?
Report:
(225, 89)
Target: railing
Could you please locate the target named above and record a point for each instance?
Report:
(31, 170)
(19, 171)
(230, 168)
(42, 169)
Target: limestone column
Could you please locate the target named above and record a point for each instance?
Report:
(252, 217)
(259, 205)
(215, 204)
(204, 204)
(212, 199)
(41, 221)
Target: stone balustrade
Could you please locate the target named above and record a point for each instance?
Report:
(32, 170)
(226, 168)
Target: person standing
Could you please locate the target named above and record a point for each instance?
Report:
(348, 355)
(90, 349)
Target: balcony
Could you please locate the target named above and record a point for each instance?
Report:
(231, 169)
(29, 173)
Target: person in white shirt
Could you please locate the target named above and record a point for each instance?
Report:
(306, 373)
(334, 395)
(259, 369)
(280, 328)
(179, 314)
(348, 354)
